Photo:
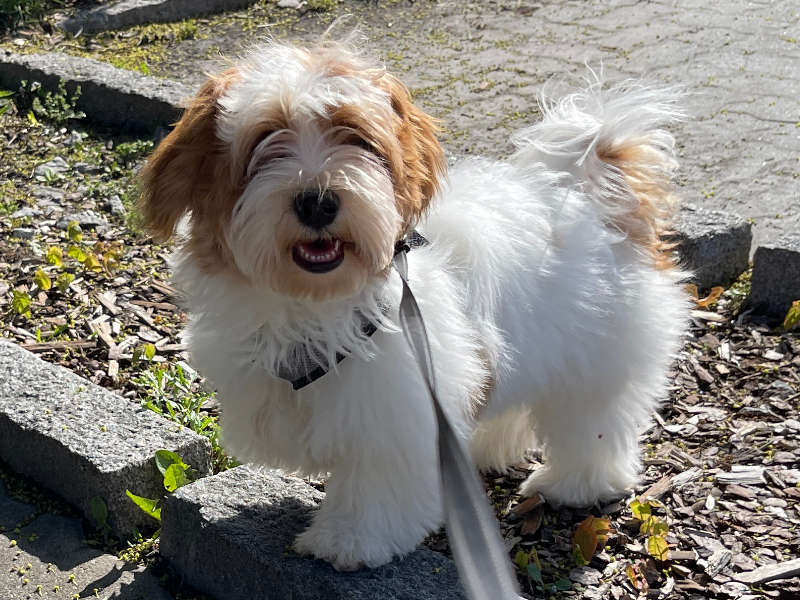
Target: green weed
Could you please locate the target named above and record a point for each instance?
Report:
(174, 392)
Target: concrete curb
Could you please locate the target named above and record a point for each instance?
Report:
(230, 536)
(135, 12)
(81, 441)
(714, 245)
(776, 276)
(109, 96)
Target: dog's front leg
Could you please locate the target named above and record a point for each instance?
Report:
(380, 504)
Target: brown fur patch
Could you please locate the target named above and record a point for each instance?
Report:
(420, 162)
(646, 171)
(190, 171)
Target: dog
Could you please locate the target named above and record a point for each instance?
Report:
(552, 305)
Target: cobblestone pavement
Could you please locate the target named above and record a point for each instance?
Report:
(479, 67)
(45, 554)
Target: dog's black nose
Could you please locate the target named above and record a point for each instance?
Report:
(316, 209)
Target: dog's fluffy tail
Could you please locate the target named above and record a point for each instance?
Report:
(613, 142)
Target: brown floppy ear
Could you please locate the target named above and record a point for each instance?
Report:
(184, 167)
(421, 162)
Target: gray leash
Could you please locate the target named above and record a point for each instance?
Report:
(473, 531)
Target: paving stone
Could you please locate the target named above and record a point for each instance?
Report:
(51, 551)
(109, 96)
(86, 218)
(26, 211)
(81, 441)
(115, 206)
(23, 233)
(713, 244)
(134, 12)
(776, 276)
(229, 536)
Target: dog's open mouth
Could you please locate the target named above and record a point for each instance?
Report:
(319, 256)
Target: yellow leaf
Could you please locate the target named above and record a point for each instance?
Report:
(792, 319)
(54, 255)
(640, 510)
(41, 279)
(712, 297)
(63, 281)
(74, 231)
(92, 263)
(521, 559)
(657, 547)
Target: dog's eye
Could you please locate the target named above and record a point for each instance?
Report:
(360, 142)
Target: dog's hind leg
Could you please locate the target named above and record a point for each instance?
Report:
(589, 444)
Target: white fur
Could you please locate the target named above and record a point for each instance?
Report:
(525, 280)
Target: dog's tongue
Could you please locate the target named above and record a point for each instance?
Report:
(320, 251)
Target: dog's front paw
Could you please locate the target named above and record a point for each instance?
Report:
(345, 550)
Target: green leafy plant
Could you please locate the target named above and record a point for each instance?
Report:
(21, 303)
(55, 256)
(129, 152)
(529, 564)
(5, 100)
(654, 528)
(37, 103)
(175, 474)
(63, 282)
(14, 13)
(99, 512)
(175, 393)
(42, 280)
(792, 319)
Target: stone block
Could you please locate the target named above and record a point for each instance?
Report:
(127, 13)
(82, 441)
(713, 244)
(109, 96)
(230, 536)
(776, 276)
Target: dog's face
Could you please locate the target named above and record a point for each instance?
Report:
(299, 169)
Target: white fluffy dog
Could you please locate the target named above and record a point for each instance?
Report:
(552, 306)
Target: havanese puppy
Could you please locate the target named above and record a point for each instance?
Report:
(552, 305)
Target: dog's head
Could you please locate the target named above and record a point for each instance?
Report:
(299, 170)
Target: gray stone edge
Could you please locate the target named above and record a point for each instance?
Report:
(187, 555)
(111, 102)
(77, 480)
(706, 271)
(766, 297)
(135, 12)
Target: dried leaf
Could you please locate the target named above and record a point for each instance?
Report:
(636, 577)
(712, 297)
(590, 533)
